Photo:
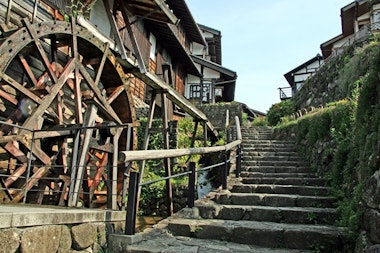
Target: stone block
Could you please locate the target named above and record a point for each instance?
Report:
(65, 241)
(84, 235)
(41, 239)
(9, 240)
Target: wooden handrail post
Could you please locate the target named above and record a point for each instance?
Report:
(225, 172)
(191, 195)
(130, 223)
(238, 161)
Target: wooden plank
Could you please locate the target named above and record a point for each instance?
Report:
(116, 93)
(115, 30)
(15, 175)
(45, 59)
(20, 88)
(165, 134)
(16, 152)
(28, 70)
(115, 163)
(132, 37)
(48, 99)
(8, 97)
(98, 94)
(40, 173)
(140, 155)
(89, 121)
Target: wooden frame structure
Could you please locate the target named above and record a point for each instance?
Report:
(65, 105)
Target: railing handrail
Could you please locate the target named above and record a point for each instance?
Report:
(140, 155)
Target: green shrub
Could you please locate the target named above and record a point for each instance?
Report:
(279, 110)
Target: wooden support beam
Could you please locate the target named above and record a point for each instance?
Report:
(132, 37)
(115, 30)
(115, 168)
(165, 134)
(45, 59)
(89, 121)
(77, 88)
(20, 87)
(98, 94)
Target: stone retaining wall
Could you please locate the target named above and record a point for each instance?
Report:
(39, 229)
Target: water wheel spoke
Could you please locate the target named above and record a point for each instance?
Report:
(48, 99)
(34, 35)
(20, 88)
(98, 94)
(28, 70)
(115, 94)
(8, 97)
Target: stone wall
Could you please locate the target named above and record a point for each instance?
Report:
(216, 113)
(86, 237)
(28, 229)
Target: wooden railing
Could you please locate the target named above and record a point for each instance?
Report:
(140, 155)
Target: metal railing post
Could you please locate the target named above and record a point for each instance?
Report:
(130, 224)
(238, 161)
(191, 196)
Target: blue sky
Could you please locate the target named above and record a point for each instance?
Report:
(264, 39)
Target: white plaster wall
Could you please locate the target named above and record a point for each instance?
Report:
(98, 17)
(197, 49)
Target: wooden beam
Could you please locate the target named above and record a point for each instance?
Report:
(45, 59)
(132, 37)
(89, 121)
(115, 167)
(98, 94)
(20, 88)
(115, 30)
(48, 99)
(140, 155)
(165, 134)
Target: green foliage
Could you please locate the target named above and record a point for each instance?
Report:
(260, 121)
(279, 110)
(349, 131)
(79, 7)
(154, 169)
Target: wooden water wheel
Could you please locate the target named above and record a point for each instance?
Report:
(64, 109)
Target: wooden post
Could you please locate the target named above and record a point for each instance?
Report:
(225, 172)
(132, 205)
(89, 121)
(191, 196)
(165, 133)
(132, 37)
(238, 161)
(114, 167)
(127, 167)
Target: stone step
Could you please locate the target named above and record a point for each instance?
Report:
(254, 148)
(284, 181)
(248, 162)
(264, 234)
(265, 199)
(272, 154)
(276, 175)
(266, 143)
(277, 158)
(276, 169)
(166, 242)
(294, 215)
(280, 189)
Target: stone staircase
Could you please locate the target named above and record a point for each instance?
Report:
(277, 205)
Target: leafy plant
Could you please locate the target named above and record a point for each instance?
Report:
(279, 110)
